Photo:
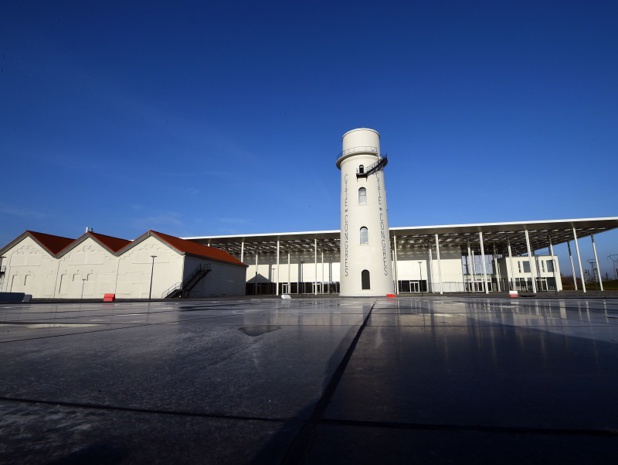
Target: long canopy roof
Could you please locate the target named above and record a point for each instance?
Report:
(421, 237)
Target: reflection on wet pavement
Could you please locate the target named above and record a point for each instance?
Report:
(322, 380)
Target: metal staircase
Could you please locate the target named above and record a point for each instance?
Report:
(377, 166)
(182, 290)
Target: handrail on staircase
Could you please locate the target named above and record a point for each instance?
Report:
(171, 289)
(181, 285)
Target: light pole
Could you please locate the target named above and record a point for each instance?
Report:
(420, 281)
(151, 275)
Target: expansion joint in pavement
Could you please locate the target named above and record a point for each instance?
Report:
(114, 408)
(300, 444)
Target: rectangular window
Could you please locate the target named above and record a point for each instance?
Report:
(550, 266)
(519, 267)
(526, 266)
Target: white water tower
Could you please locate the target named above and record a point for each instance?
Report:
(365, 242)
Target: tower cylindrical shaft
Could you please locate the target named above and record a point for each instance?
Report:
(365, 241)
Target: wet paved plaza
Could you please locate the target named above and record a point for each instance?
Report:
(326, 380)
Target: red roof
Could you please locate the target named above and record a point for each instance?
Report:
(200, 250)
(112, 243)
(53, 244)
(56, 244)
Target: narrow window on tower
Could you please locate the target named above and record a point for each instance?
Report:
(361, 169)
(365, 279)
(362, 196)
(364, 235)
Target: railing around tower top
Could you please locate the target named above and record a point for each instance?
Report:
(358, 149)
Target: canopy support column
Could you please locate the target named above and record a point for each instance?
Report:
(497, 270)
(484, 264)
(430, 270)
(531, 261)
(255, 284)
(553, 261)
(579, 260)
(315, 279)
(396, 274)
(439, 264)
(470, 268)
(322, 280)
(277, 283)
(596, 259)
(513, 287)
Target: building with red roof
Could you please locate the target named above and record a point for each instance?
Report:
(155, 265)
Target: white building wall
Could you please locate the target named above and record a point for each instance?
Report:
(267, 268)
(515, 268)
(450, 265)
(449, 269)
(330, 271)
(408, 267)
(453, 279)
(87, 270)
(222, 280)
(263, 270)
(134, 270)
(30, 269)
(336, 270)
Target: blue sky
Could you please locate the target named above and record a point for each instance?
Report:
(226, 117)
